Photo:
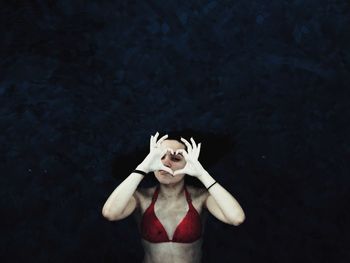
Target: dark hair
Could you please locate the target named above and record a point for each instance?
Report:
(177, 137)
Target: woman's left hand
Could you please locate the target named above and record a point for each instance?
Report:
(193, 166)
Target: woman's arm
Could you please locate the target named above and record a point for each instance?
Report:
(221, 203)
(122, 202)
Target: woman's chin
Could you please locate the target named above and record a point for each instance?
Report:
(164, 178)
(167, 178)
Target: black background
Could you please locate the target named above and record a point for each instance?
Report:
(83, 85)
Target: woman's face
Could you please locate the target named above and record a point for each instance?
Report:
(174, 162)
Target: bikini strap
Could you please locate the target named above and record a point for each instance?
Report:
(188, 196)
(155, 194)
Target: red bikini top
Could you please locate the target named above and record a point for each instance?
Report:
(188, 230)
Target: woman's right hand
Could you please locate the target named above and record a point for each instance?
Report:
(153, 162)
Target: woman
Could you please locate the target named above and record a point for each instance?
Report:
(170, 215)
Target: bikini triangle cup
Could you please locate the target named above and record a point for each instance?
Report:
(187, 231)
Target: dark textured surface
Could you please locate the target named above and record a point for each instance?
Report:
(84, 84)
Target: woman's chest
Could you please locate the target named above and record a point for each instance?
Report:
(171, 214)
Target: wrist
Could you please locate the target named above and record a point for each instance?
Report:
(143, 168)
(206, 179)
(201, 171)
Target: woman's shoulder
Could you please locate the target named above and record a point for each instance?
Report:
(145, 193)
(197, 192)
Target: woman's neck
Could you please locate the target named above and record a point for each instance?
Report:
(172, 190)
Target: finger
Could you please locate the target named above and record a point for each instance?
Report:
(196, 151)
(181, 171)
(170, 150)
(151, 142)
(189, 147)
(179, 151)
(167, 169)
(162, 139)
(156, 136)
(199, 149)
(163, 152)
(193, 143)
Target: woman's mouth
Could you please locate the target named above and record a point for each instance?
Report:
(164, 172)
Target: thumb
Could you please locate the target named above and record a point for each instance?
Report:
(167, 169)
(179, 171)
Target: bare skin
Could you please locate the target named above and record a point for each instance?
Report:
(170, 208)
(171, 205)
(170, 212)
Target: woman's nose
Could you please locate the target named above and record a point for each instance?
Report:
(167, 161)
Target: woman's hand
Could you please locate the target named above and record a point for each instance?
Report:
(193, 166)
(153, 162)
